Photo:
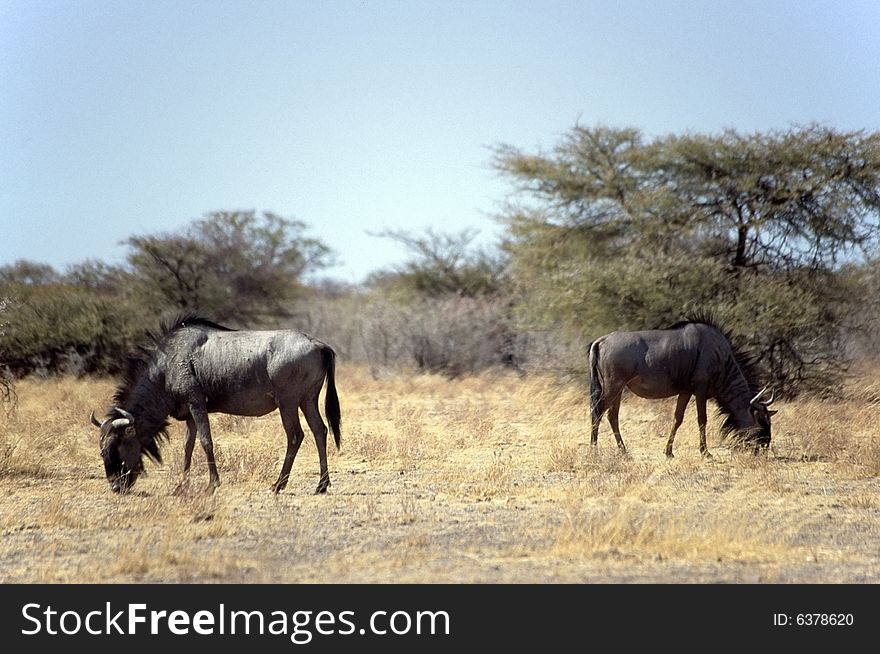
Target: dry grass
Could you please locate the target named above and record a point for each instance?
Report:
(487, 479)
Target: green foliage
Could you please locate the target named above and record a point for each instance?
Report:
(59, 327)
(99, 277)
(7, 385)
(27, 272)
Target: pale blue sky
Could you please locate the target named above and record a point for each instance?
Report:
(121, 117)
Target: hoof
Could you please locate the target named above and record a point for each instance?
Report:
(323, 484)
(281, 484)
(706, 454)
(670, 455)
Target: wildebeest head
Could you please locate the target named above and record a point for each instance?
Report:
(760, 434)
(121, 449)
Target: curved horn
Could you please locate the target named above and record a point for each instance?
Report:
(125, 414)
(772, 398)
(95, 421)
(758, 396)
(120, 422)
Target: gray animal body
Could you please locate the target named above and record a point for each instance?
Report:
(195, 367)
(691, 358)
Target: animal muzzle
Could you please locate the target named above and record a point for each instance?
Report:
(122, 483)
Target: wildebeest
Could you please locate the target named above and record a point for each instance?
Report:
(194, 367)
(692, 357)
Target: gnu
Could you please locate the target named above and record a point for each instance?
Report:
(691, 358)
(194, 367)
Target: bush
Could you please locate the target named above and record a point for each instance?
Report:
(62, 328)
(452, 335)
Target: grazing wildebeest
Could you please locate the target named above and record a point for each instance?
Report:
(194, 367)
(692, 357)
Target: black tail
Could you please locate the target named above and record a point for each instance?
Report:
(331, 399)
(596, 409)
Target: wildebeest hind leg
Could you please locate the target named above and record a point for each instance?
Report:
(203, 429)
(613, 413)
(319, 429)
(594, 430)
(677, 420)
(295, 435)
(597, 410)
(701, 421)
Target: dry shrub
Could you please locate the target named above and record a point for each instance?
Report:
(474, 422)
(562, 457)
(861, 501)
(866, 455)
(157, 553)
(366, 444)
(47, 431)
(494, 479)
(608, 473)
(480, 477)
(408, 509)
(247, 463)
(634, 528)
(863, 385)
(766, 475)
(815, 431)
(551, 399)
(409, 436)
(61, 512)
(408, 421)
(20, 456)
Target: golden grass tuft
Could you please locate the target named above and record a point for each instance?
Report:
(631, 528)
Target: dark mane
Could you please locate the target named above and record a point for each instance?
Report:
(138, 363)
(701, 317)
(182, 320)
(746, 361)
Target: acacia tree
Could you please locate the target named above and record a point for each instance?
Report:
(612, 231)
(231, 265)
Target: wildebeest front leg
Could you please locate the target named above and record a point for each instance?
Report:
(199, 416)
(680, 407)
(701, 421)
(613, 413)
(319, 429)
(188, 445)
(295, 435)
